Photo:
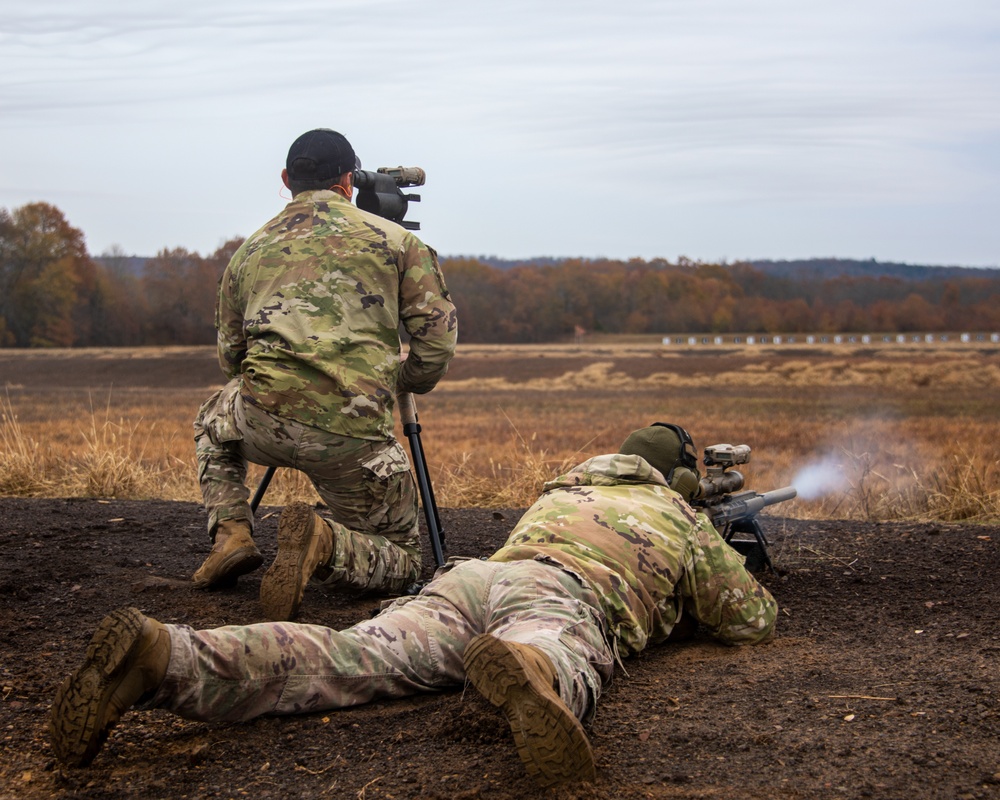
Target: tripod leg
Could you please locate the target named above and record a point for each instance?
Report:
(261, 488)
(411, 429)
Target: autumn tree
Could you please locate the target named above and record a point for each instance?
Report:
(478, 290)
(118, 307)
(181, 288)
(46, 279)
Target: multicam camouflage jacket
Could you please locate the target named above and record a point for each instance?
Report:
(613, 521)
(309, 312)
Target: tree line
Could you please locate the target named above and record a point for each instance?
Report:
(54, 294)
(547, 303)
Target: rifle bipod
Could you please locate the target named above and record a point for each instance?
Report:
(754, 550)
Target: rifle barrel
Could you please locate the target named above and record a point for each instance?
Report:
(746, 505)
(779, 495)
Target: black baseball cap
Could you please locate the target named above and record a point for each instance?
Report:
(320, 155)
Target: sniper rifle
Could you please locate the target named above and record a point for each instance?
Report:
(734, 512)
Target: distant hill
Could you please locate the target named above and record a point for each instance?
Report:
(129, 265)
(510, 263)
(803, 269)
(827, 268)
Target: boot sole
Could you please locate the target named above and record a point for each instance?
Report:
(284, 584)
(550, 739)
(237, 563)
(79, 724)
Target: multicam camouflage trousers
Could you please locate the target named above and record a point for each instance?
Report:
(367, 486)
(414, 645)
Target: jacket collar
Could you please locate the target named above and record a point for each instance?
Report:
(609, 470)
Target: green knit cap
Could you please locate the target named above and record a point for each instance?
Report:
(665, 449)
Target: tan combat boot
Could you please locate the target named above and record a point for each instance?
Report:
(521, 680)
(127, 658)
(233, 554)
(305, 541)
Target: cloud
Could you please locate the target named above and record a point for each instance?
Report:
(774, 106)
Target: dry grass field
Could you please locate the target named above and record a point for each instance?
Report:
(882, 682)
(875, 432)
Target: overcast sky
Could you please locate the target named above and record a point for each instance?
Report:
(714, 129)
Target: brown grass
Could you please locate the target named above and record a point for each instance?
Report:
(911, 430)
(22, 460)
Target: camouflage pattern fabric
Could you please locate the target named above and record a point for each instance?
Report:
(366, 485)
(614, 521)
(414, 645)
(309, 312)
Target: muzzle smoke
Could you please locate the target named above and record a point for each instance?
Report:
(820, 478)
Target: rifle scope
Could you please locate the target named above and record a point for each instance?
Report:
(719, 484)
